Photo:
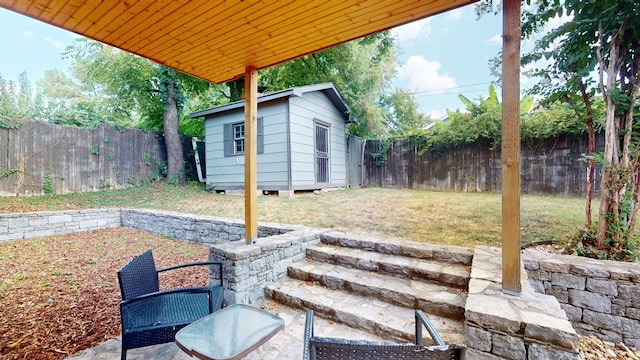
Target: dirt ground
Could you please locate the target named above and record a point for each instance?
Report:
(60, 294)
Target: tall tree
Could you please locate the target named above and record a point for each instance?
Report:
(565, 79)
(402, 116)
(603, 36)
(197, 99)
(65, 101)
(172, 99)
(148, 92)
(361, 70)
(17, 100)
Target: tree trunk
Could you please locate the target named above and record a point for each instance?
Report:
(591, 169)
(170, 122)
(236, 89)
(609, 187)
(636, 197)
(609, 194)
(591, 164)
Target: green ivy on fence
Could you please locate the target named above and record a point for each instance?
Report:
(7, 123)
(7, 173)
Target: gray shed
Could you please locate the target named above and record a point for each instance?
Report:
(302, 143)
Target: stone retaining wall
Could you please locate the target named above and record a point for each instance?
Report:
(524, 326)
(600, 298)
(16, 226)
(205, 230)
(249, 268)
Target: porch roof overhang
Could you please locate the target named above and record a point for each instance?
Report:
(217, 40)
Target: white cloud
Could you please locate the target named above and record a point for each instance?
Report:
(495, 39)
(423, 76)
(55, 43)
(556, 22)
(420, 29)
(27, 34)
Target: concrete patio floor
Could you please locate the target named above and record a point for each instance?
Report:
(286, 345)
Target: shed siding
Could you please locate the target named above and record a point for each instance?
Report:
(228, 172)
(303, 112)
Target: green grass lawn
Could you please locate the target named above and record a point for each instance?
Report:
(439, 217)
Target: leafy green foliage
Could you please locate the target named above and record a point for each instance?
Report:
(125, 82)
(47, 186)
(584, 243)
(9, 124)
(214, 95)
(550, 122)
(481, 122)
(601, 36)
(7, 173)
(18, 101)
(401, 113)
(152, 96)
(361, 70)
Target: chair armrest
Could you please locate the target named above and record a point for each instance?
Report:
(422, 320)
(207, 263)
(308, 334)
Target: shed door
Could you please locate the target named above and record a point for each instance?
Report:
(322, 153)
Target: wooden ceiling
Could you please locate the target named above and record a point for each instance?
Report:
(218, 40)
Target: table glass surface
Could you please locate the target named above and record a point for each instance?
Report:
(229, 333)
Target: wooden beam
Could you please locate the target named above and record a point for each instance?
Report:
(251, 155)
(511, 147)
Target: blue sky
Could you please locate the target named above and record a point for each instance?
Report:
(31, 46)
(442, 56)
(447, 55)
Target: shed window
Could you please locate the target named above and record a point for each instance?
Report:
(234, 136)
(238, 138)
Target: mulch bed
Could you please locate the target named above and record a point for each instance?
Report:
(60, 294)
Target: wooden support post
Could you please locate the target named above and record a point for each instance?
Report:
(251, 155)
(511, 147)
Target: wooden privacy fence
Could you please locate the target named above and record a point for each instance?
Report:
(39, 158)
(549, 166)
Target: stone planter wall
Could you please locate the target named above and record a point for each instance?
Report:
(524, 326)
(205, 230)
(17, 226)
(600, 298)
(249, 268)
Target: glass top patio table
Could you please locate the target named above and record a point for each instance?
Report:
(228, 334)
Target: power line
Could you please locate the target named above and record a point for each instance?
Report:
(455, 92)
(450, 88)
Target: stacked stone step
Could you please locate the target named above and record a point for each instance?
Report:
(376, 284)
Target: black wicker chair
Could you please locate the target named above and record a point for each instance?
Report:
(319, 348)
(150, 316)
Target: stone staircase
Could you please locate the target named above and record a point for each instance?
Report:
(375, 285)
